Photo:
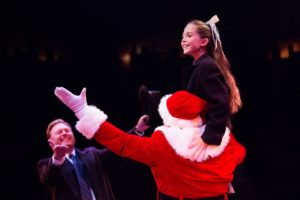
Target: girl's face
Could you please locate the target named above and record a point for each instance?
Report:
(191, 43)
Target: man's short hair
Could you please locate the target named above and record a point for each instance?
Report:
(53, 123)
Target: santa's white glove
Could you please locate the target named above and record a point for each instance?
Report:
(77, 103)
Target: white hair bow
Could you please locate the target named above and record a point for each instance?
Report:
(214, 31)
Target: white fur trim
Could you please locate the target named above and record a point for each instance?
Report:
(171, 121)
(90, 121)
(182, 139)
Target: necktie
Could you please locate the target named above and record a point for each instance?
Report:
(84, 188)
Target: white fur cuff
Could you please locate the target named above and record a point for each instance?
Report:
(90, 121)
(182, 139)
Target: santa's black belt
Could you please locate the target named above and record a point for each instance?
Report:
(162, 196)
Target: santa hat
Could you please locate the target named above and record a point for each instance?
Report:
(181, 109)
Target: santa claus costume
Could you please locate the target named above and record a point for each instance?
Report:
(179, 169)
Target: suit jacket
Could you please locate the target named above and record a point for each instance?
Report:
(61, 180)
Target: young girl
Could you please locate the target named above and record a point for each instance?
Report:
(210, 77)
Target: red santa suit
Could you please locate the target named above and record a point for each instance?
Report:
(178, 169)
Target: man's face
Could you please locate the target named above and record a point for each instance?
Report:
(62, 134)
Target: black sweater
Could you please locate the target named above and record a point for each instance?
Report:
(205, 80)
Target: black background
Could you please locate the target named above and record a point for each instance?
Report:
(89, 35)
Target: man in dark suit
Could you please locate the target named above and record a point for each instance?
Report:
(58, 173)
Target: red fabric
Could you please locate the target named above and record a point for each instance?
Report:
(174, 175)
(184, 105)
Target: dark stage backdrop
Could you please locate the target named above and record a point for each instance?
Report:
(75, 44)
